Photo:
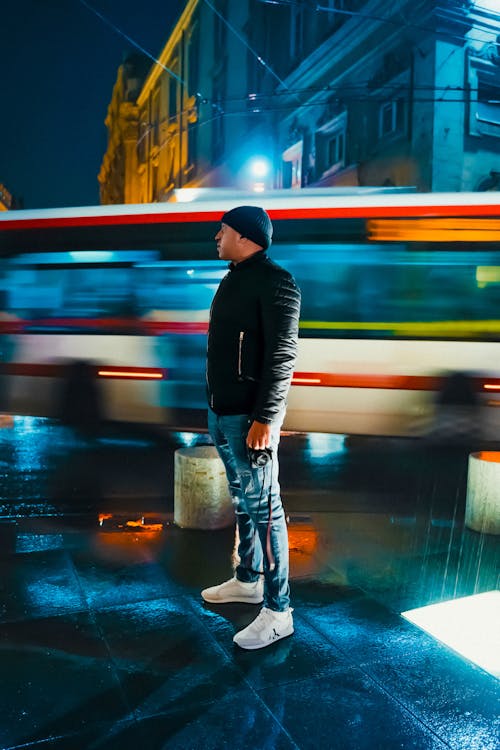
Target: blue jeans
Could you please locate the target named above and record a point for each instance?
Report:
(263, 535)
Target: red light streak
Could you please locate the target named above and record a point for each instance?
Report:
(137, 375)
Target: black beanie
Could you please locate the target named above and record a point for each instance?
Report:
(252, 222)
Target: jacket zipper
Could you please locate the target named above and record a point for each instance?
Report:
(240, 348)
(210, 394)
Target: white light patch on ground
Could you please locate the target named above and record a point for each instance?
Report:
(470, 626)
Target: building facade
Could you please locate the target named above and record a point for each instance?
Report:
(344, 92)
(6, 201)
(190, 123)
(119, 168)
(395, 96)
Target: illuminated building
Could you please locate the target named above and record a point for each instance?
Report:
(260, 94)
(118, 175)
(192, 122)
(5, 198)
(393, 95)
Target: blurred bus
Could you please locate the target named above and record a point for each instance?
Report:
(399, 291)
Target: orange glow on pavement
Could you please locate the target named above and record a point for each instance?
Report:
(302, 545)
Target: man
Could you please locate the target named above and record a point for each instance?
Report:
(252, 347)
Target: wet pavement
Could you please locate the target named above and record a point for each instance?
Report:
(106, 643)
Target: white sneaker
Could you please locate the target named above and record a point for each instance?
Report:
(268, 627)
(235, 591)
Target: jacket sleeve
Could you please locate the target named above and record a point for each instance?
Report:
(280, 309)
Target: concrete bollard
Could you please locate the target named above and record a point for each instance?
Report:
(482, 510)
(201, 493)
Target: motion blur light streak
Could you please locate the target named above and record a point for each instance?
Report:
(138, 375)
(487, 275)
(434, 230)
(142, 322)
(430, 329)
(470, 626)
(370, 380)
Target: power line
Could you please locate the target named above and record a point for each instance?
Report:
(382, 19)
(238, 112)
(258, 57)
(336, 89)
(131, 41)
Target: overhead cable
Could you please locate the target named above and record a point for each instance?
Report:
(383, 19)
(242, 39)
(131, 41)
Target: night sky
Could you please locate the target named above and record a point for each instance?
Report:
(59, 65)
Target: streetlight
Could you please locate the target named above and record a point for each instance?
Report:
(259, 169)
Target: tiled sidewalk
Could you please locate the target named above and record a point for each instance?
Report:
(105, 643)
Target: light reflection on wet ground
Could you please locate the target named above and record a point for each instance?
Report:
(104, 636)
(382, 514)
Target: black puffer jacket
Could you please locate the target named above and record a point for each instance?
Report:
(252, 339)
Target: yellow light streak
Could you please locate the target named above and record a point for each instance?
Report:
(491, 387)
(409, 328)
(487, 275)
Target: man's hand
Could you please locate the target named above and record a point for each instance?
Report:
(259, 436)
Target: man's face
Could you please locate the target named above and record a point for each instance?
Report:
(229, 244)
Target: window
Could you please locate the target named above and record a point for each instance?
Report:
(292, 166)
(484, 80)
(351, 282)
(296, 31)
(220, 29)
(218, 130)
(331, 145)
(487, 111)
(155, 109)
(154, 182)
(218, 134)
(193, 56)
(172, 99)
(391, 118)
(192, 146)
(488, 103)
(143, 140)
(335, 149)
